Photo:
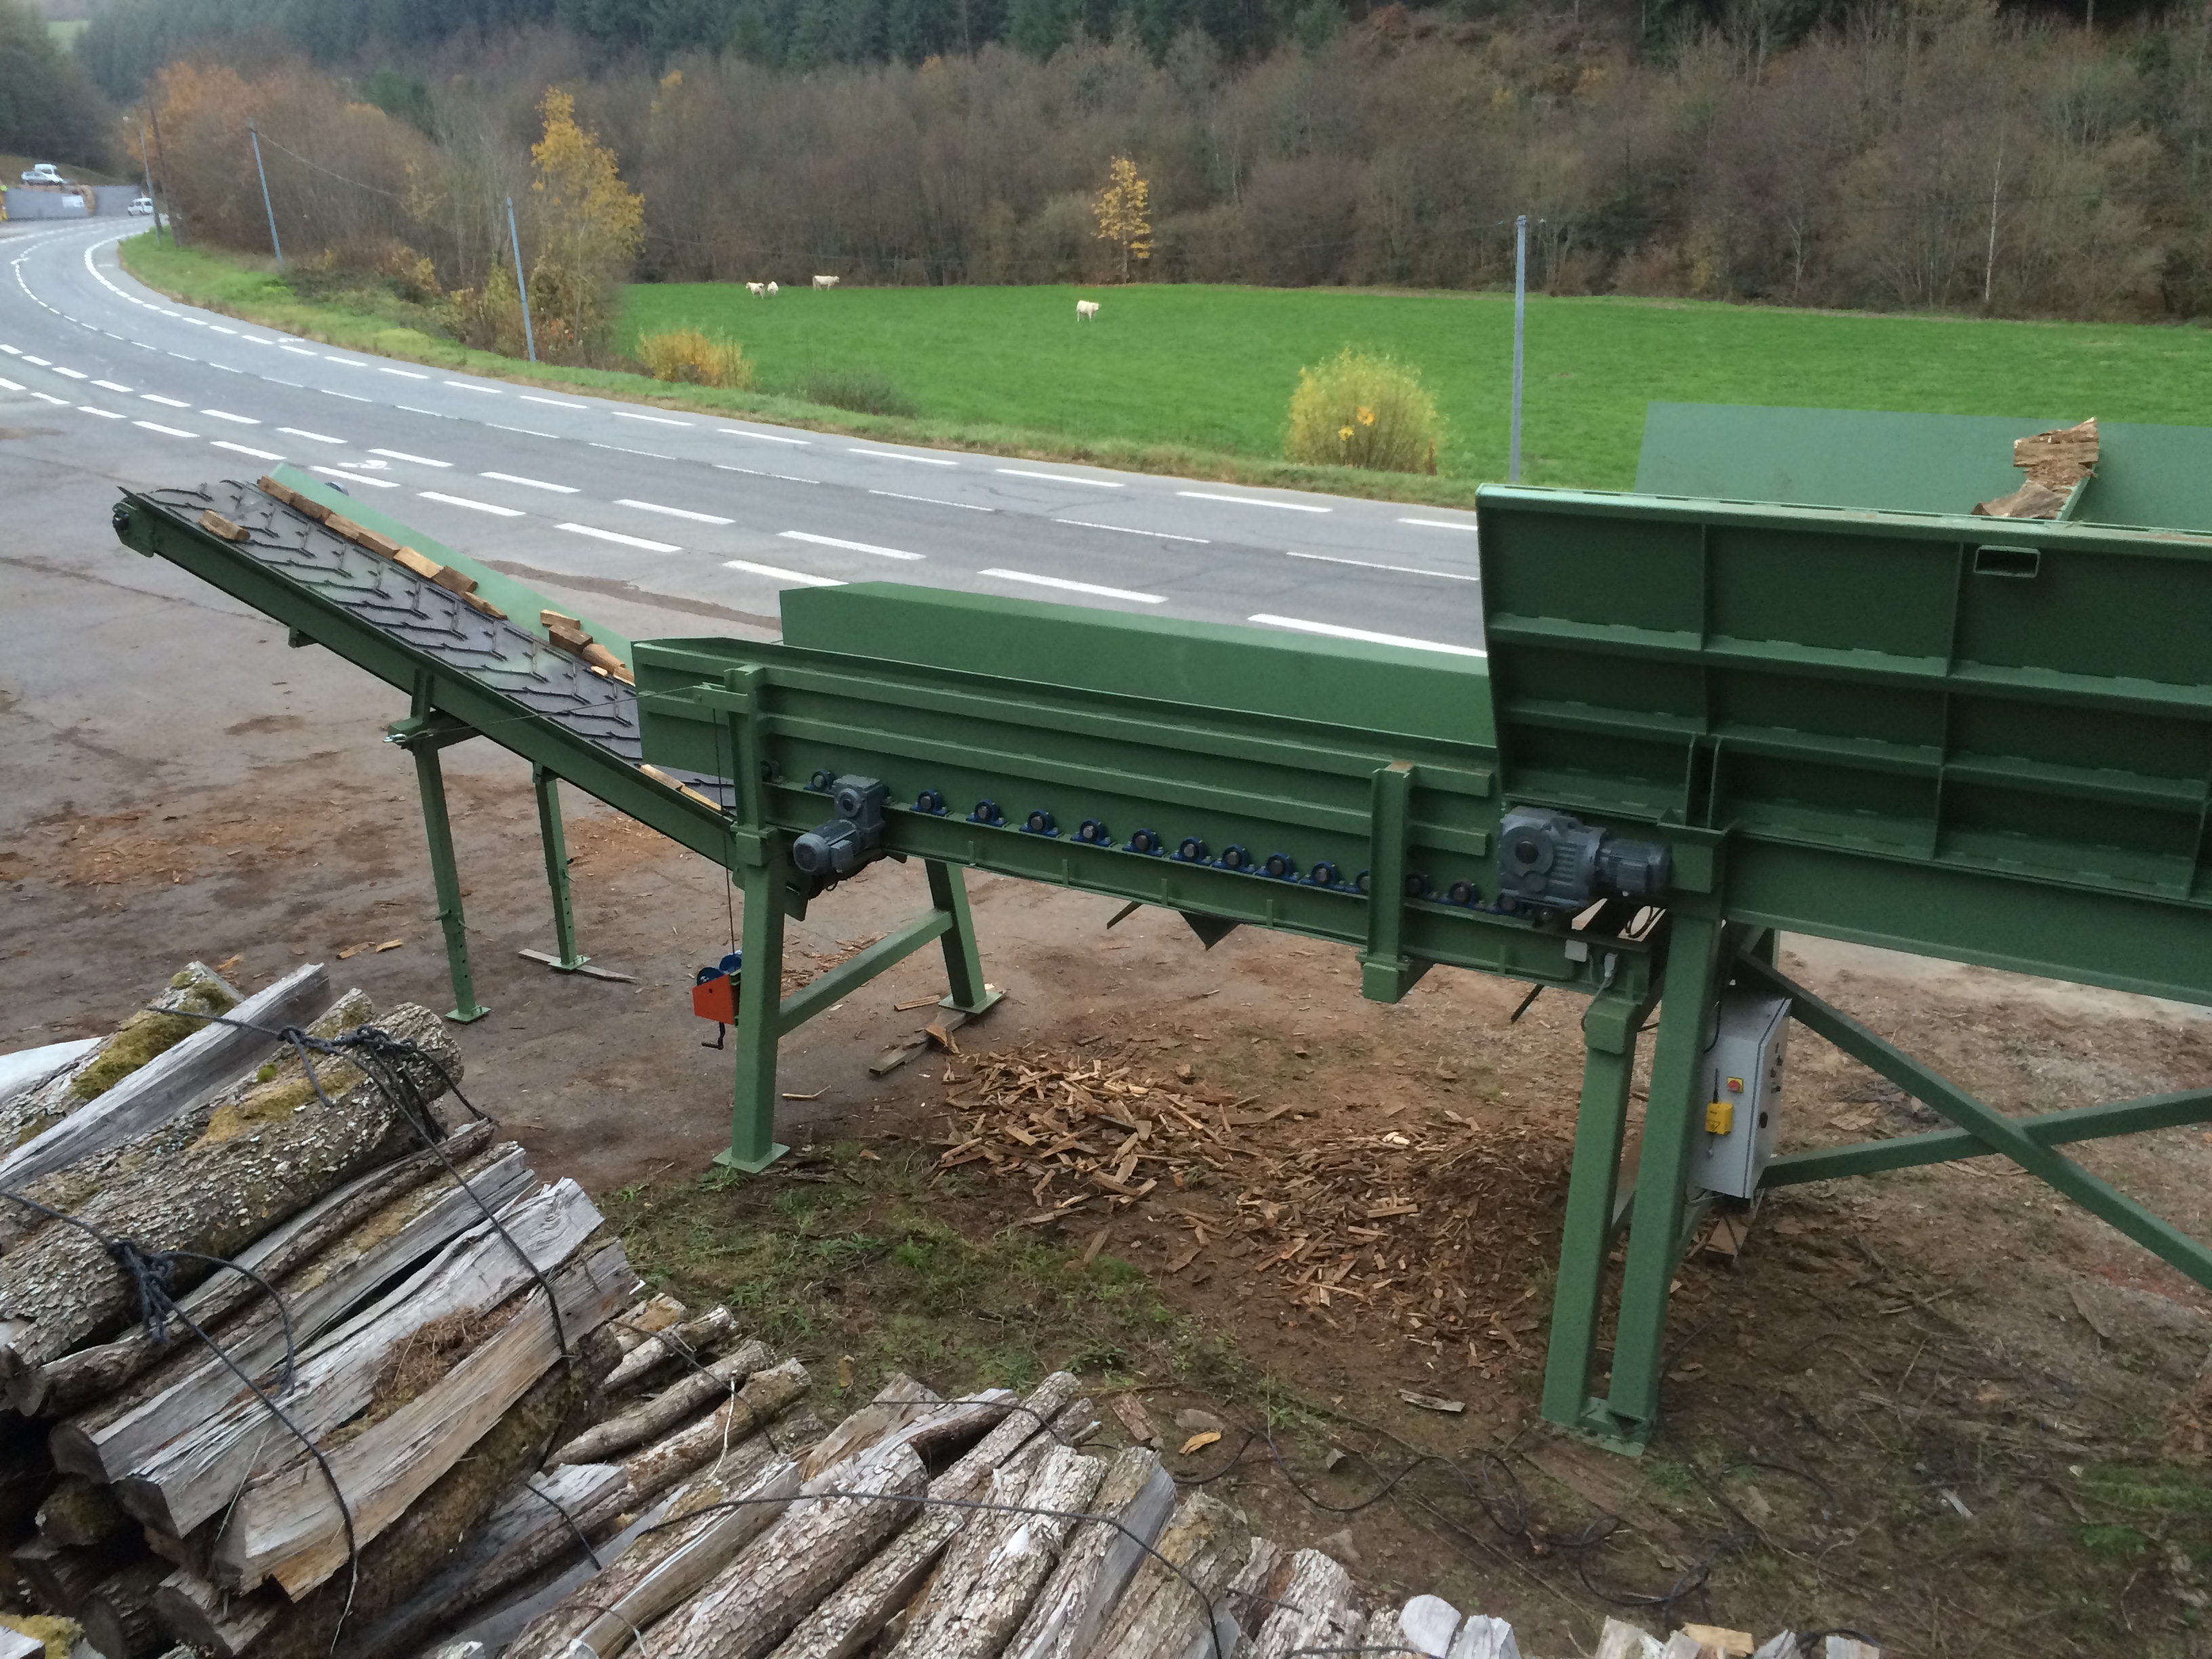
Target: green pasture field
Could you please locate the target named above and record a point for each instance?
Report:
(1212, 368)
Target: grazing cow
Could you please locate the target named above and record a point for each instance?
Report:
(826, 281)
(758, 290)
(771, 290)
(1085, 310)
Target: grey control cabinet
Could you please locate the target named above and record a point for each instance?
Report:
(1742, 1069)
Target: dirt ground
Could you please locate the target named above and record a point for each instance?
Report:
(1939, 1406)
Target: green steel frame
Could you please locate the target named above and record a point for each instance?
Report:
(1880, 727)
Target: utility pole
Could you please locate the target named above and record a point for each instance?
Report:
(1520, 329)
(514, 237)
(146, 162)
(176, 231)
(265, 206)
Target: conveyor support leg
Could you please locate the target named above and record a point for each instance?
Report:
(430, 778)
(547, 784)
(964, 968)
(753, 1145)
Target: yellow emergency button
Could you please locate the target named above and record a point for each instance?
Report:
(1720, 1117)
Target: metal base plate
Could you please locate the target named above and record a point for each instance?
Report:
(728, 1160)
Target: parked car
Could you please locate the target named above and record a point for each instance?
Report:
(143, 204)
(45, 172)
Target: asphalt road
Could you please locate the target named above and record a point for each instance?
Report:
(99, 372)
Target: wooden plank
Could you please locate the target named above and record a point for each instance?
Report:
(287, 1527)
(167, 1083)
(685, 1398)
(198, 1473)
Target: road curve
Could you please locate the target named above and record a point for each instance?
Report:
(98, 371)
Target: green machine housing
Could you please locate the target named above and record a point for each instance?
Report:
(1703, 721)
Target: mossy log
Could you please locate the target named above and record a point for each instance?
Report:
(115, 1437)
(97, 1373)
(78, 1512)
(201, 1471)
(63, 1288)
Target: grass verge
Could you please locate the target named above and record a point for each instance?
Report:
(368, 320)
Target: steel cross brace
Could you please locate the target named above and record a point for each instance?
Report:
(1981, 1129)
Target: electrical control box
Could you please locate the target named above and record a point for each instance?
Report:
(1742, 1072)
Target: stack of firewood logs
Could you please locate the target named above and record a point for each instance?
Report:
(307, 1362)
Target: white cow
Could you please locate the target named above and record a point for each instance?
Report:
(826, 281)
(758, 290)
(771, 290)
(1086, 310)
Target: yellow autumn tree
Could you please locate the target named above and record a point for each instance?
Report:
(589, 225)
(1121, 208)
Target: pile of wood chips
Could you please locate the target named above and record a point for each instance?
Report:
(1436, 1227)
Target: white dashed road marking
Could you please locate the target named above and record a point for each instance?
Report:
(402, 455)
(1157, 535)
(612, 536)
(775, 573)
(530, 484)
(219, 415)
(932, 501)
(1399, 569)
(557, 402)
(1067, 586)
(765, 437)
(1330, 630)
(893, 455)
(1061, 477)
(356, 477)
(854, 547)
(474, 505)
(166, 431)
(170, 402)
(311, 437)
(673, 512)
(657, 419)
(1252, 501)
(1440, 523)
(258, 454)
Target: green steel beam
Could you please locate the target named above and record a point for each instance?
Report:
(1994, 1131)
(855, 971)
(438, 830)
(2125, 1117)
(546, 785)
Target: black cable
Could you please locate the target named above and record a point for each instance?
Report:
(560, 1508)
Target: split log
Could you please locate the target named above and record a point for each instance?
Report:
(860, 1609)
(288, 1527)
(1162, 1613)
(392, 1565)
(97, 1372)
(994, 1569)
(1485, 1637)
(15, 1645)
(714, 1437)
(665, 1409)
(900, 1403)
(212, 1054)
(697, 1338)
(62, 1287)
(534, 1526)
(63, 1578)
(813, 1547)
(1427, 1625)
(1315, 1592)
(1619, 1639)
(211, 1620)
(23, 1070)
(196, 1475)
(1098, 1562)
(120, 1620)
(150, 1032)
(119, 1435)
(78, 1512)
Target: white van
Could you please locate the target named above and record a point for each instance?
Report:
(45, 172)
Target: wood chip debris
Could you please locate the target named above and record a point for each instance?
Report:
(1435, 1227)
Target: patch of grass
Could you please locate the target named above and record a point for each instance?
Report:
(843, 1256)
(694, 358)
(867, 391)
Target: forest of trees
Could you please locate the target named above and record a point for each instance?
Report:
(49, 107)
(1905, 155)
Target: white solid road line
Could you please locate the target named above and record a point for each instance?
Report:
(855, 547)
(613, 535)
(657, 419)
(1252, 501)
(932, 501)
(1160, 535)
(110, 385)
(673, 512)
(353, 477)
(1061, 477)
(893, 455)
(172, 402)
(557, 402)
(474, 505)
(775, 573)
(258, 454)
(402, 455)
(465, 385)
(765, 437)
(311, 437)
(1369, 564)
(166, 431)
(242, 420)
(104, 414)
(403, 374)
(1365, 637)
(1440, 523)
(1067, 586)
(529, 483)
